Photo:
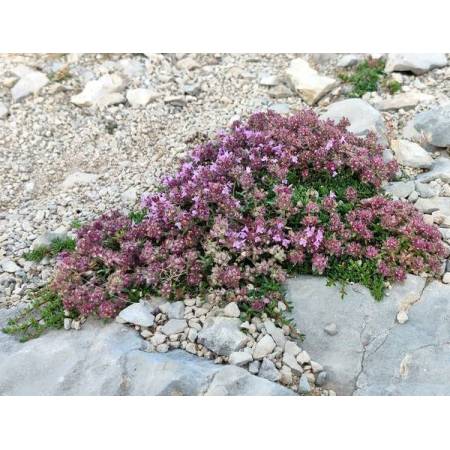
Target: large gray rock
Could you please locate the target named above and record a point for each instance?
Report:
(360, 320)
(222, 335)
(111, 360)
(362, 116)
(414, 358)
(434, 124)
(417, 63)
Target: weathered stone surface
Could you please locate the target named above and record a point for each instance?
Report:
(138, 314)
(413, 358)
(405, 100)
(360, 320)
(417, 63)
(411, 154)
(222, 335)
(362, 116)
(111, 360)
(434, 124)
(440, 168)
(308, 83)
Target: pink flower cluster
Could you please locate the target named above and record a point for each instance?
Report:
(228, 221)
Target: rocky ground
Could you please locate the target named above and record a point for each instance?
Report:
(80, 134)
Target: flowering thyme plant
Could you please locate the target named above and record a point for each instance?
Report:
(272, 197)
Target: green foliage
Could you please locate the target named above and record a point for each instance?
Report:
(392, 86)
(138, 216)
(357, 271)
(44, 313)
(365, 77)
(76, 224)
(57, 246)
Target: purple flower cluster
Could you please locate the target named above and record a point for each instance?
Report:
(229, 220)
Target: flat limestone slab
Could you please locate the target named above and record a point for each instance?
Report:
(360, 320)
(414, 358)
(111, 360)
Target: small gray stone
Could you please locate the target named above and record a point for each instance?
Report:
(280, 91)
(411, 154)
(9, 266)
(29, 83)
(307, 82)
(331, 329)
(321, 378)
(292, 348)
(253, 367)
(269, 371)
(174, 310)
(222, 335)
(268, 80)
(232, 310)
(290, 361)
(162, 348)
(240, 358)
(103, 92)
(303, 385)
(138, 314)
(141, 97)
(276, 333)
(264, 347)
(191, 89)
(67, 323)
(174, 326)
